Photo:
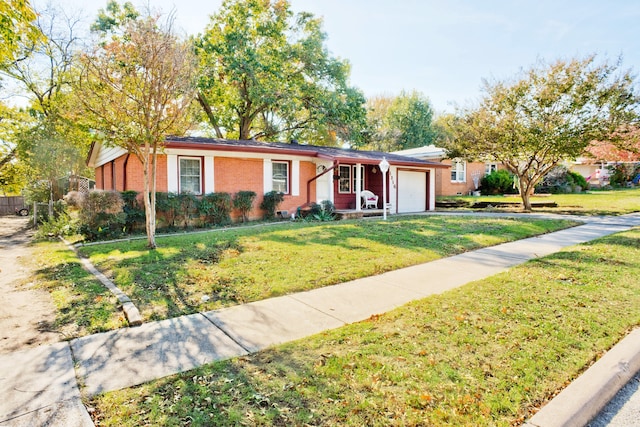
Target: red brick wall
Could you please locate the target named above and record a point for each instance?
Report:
(107, 170)
(291, 203)
(444, 186)
(98, 174)
(135, 176)
(232, 175)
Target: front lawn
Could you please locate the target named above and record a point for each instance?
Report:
(488, 353)
(83, 305)
(605, 202)
(205, 271)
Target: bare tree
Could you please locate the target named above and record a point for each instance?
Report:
(137, 89)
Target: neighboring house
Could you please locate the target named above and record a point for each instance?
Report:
(599, 157)
(462, 178)
(304, 173)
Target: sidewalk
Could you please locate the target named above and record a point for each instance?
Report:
(43, 384)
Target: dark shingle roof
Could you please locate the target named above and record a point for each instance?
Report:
(330, 153)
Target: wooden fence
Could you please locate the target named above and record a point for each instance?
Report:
(8, 205)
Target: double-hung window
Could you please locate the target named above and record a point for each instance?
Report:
(344, 180)
(458, 170)
(280, 177)
(347, 181)
(190, 175)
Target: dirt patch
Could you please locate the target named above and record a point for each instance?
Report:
(25, 312)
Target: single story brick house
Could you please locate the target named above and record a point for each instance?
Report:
(463, 178)
(304, 173)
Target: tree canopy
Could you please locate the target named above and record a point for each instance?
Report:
(266, 74)
(398, 123)
(137, 89)
(16, 28)
(549, 114)
(48, 143)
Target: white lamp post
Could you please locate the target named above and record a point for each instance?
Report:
(384, 167)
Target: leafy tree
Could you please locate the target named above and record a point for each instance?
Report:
(136, 89)
(114, 17)
(16, 28)
(48, 141)
(551, 113)
(267, 74)
(401, 122)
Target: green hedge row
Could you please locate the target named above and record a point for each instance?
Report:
(109, 214)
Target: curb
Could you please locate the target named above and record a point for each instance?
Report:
(587, 395)
(130, 310)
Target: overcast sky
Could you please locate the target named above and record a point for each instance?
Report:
(444, 48)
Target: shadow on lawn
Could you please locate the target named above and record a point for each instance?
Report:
(172, 280)
(84, 305)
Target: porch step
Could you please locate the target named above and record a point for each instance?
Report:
(353, 214)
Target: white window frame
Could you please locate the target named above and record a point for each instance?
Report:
(287, 175)
(199, 159)
(490, 167)
(344, 179)
(458, 170)
(353, 178)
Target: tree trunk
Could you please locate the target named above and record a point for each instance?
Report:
(526, 201)
(209, 113)
(526, 191)
(149, 209)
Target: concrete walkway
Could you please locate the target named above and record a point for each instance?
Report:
(40, 386)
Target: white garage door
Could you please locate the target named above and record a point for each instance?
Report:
(412, 191)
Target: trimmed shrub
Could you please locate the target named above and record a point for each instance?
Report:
(578, 182)
(133, 209)
(243, 201)
(560, 180)
(166, 207)
(75, 199)
(270, 203)
(187, 208)
(102, 216)
(497, 182)
(216, 207)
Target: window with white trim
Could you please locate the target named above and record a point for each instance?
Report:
(458, 170)
(280, 176)
(190, 170)
(344, 180)
(490, 167)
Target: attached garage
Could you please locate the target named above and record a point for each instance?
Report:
(412, 191)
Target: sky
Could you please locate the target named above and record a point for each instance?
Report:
(444, 48)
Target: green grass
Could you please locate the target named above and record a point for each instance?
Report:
(83, 305)
(242, 265)
(610, 202)
(487, 353)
